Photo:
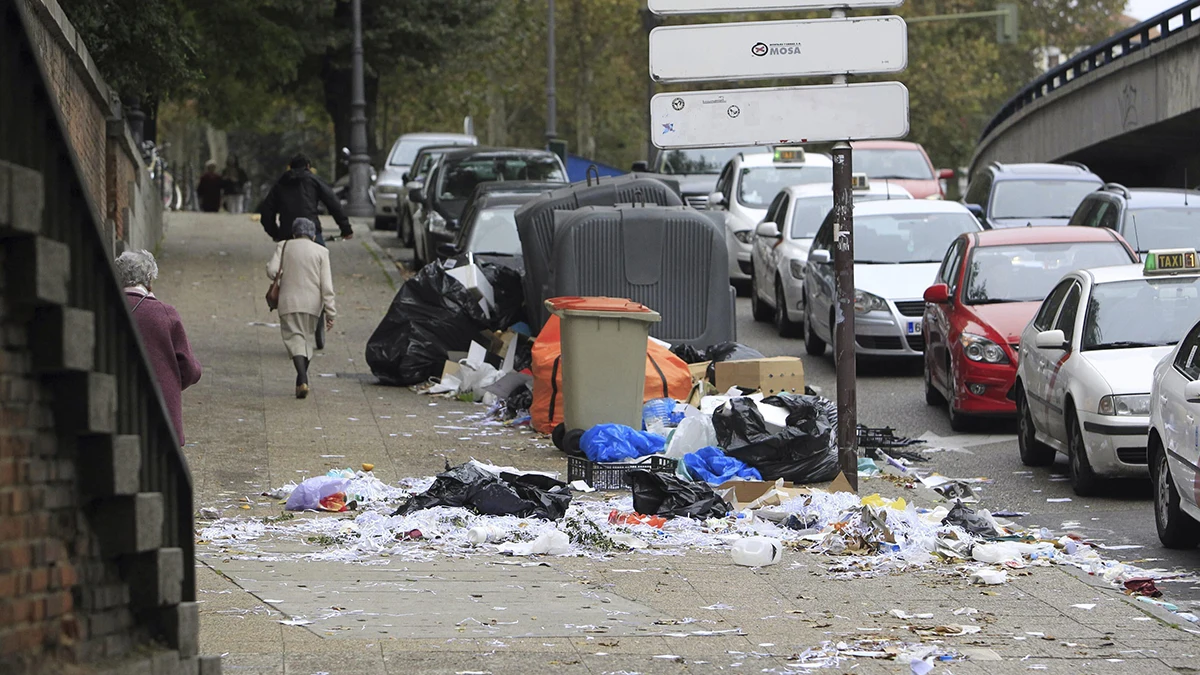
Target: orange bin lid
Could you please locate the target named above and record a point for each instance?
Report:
(597, 304)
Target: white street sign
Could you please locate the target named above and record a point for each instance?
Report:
(778, 115)
(722, 6)
(771, 49)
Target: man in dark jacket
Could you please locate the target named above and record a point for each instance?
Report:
(296, 196)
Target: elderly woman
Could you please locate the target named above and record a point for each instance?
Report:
(162, 332)
(305, 290)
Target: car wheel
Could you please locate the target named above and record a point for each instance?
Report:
(1033, 451)
(1176, 529)
(384, 223)
(958, 421)
(814, 345)
(404, 230)
(420, 249)
(932, 395)
(757, 307)
(785, 326)
(1084, 480)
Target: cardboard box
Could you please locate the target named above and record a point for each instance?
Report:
(770, 376)
(699, 370)
(480, 288)
(753, 494)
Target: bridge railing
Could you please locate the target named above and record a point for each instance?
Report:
(1125, 43)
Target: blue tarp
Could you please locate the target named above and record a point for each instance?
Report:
(577, 168)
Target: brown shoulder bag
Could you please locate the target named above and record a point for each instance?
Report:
(273, 291)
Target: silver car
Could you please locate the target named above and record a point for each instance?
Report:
(781, 243)
(898, 247)
(390, 185)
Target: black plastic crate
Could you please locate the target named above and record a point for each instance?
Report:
(603, 476)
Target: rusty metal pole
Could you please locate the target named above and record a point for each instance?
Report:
(843, 343)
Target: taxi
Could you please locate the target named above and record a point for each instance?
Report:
(746, 187)
(781, 245)
(1087, 360)
(1174, 444)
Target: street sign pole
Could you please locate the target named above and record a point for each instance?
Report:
(843, 343)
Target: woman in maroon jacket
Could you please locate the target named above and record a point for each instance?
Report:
(161, 330)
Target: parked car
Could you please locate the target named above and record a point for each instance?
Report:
(1087, 361)
(389, 186)
(409, 211)
(781, 244)
(445, 193)
(696, 169)
(489, 230)
(1017, 195)
(988, 288)
(905, 163)
(1174, 452)
(745, 189)
(898, 247)
(1148, 218)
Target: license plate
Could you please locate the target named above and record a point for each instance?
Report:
(914, 328)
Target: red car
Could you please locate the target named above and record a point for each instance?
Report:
(988, 289)
(901, 163)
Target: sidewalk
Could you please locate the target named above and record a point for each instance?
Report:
(631, 613)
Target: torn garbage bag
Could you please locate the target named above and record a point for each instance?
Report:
(472, 487)
(715, 467)
(619, 443)
(966, 518)
(661, 494)
(309, 494)
(805, 451)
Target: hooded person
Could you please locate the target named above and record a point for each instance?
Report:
(208, 191)
(305, 292)
(297, 195)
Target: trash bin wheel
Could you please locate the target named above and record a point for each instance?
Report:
(571, 443)
(557, 436)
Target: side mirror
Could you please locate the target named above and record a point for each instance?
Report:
(1191, 391)
(937, 294)
(447, 250)
(1051, 339)
(413, 185)
(976, 210)
(768, 230)
(641, 166)
(416, 195)
(716, 199)
(820, 256)
(404, 177)
(452, 224)
(945, 174)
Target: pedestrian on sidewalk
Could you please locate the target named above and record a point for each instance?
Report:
(233, 184)
(305, 292)
(175, 367)
(297, 195)
(209, 189)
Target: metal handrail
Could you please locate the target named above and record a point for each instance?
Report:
(1122, 44)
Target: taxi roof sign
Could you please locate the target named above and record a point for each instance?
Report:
(789, 155)
(1171, 261)
(859, 181)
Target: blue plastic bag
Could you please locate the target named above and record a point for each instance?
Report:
(711, 465)
(619, 443)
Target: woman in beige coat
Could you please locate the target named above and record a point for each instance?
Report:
(305, 290)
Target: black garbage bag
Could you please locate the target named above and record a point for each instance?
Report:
(727, 351)
(508, 293)
(520, 399)
(966, 518)
(688, 354)
(804, 452)
(664, 494)
(468, 486)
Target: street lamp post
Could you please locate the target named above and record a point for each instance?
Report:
(551, 94)
(360, 163)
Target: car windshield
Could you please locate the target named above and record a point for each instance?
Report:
(495, 231)
(760, 184)
(407, 149)
(901, 164)
(809, 212)
(1039, 198)
(1147, 312)
(424, 164)
(701, 160)
(461, 176)
(908, 238)
(1027, 272)
(1174, 227)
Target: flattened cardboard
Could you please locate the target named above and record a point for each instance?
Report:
(699, 370)
(840, 484)
(753, 494)
(770, 376)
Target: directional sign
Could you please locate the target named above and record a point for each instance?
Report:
(775, 115)
(771, 49)
(727, 6)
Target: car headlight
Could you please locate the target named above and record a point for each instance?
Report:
(437, 222)
(745, 236)
(797, 267)
(866, 302)
(934, 196)
(388, 189)
(1126, 405)
(982, 350)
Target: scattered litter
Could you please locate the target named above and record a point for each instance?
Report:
(989, 577)
(1143, 587)
(1085, 605)
(757, 551)
(1057, 500)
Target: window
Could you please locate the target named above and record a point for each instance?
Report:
(1097, 213)
(1045, 315)
(1025, 272)
(1146, 312)
(1188, 358)
(946, 274)
(1166, 227)
(778, 208)
(896, 164)
(495, 232)
(459, 178)
(1039, 198)
(908, 238)
(824, 238)
(1083, 214)
(759, 184)
(1070, 310)
(701, 160)
(723, 182)
(1108, 219)
(980, 188)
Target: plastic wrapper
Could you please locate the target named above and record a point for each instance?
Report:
(619, 443)
(805, 451)
(308, 495)
(966, 518)
(472, 487)
(715, 467)
(693, 433)
(659, 494)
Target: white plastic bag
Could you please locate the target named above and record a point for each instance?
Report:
(553, 542)
(308, 495)
(692, 434)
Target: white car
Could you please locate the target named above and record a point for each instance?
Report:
(898, 247)
(745, 189)
(1086, 364)
(781, 242)
(391, 183)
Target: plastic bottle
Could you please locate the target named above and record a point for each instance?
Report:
(483, 534)
(656, 415)
(757, 551)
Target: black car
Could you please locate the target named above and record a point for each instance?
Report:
(1020, 195)
(489, 229)
(1148, 218)
(445, 193)
(409, 212)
